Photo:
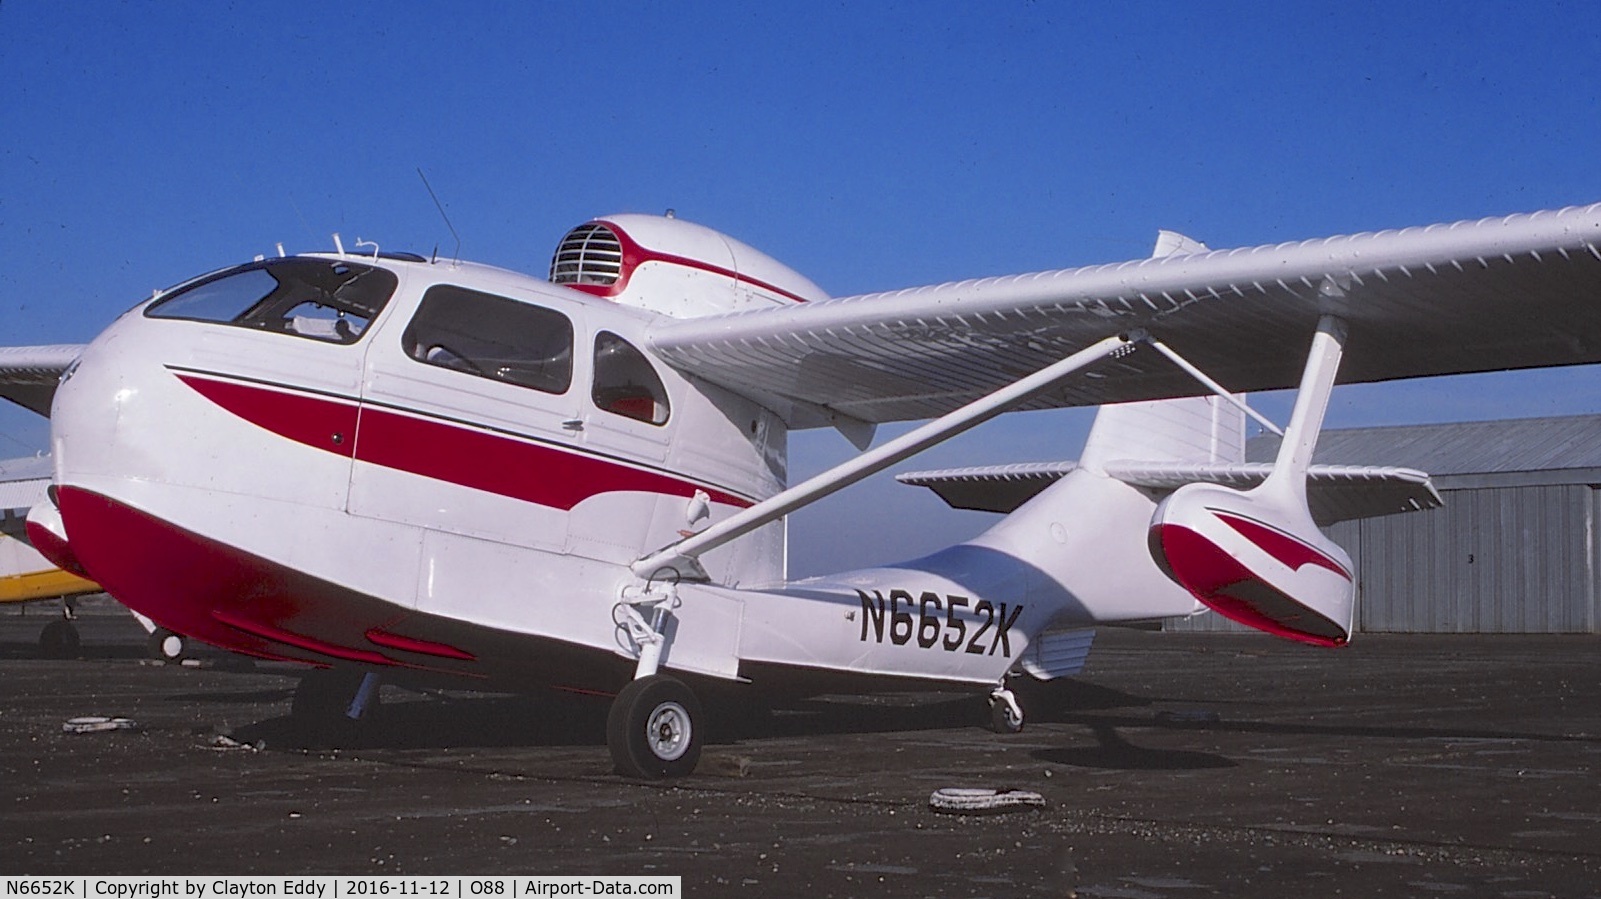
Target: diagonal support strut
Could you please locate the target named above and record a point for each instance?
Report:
(683, 557)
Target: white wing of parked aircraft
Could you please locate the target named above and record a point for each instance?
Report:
(1487, 295)
(29, 374)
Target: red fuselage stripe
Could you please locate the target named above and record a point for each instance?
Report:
(321, 422)
(521, 469)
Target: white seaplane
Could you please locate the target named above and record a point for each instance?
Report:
(388, 464)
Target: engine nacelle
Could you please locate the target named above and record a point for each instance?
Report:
(1255, 558)
(674, 267)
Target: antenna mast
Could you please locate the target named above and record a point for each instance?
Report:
(441, 207)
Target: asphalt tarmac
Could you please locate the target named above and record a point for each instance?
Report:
(1175, 766)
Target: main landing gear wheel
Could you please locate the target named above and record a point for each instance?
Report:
(58, 640)
(653, 729)
(165, 645)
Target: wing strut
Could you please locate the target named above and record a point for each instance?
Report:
(683, 557)
(1256, 556)
(1214, 386)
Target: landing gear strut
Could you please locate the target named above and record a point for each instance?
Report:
(329, 701)
(654, 728)
(1006, 716)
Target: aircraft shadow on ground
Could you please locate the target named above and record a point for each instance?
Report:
(1222, 724)
(471, 720)
(88, 650)
(1113, 752)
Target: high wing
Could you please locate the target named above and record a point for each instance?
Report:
(29, 374)
(1503, 293)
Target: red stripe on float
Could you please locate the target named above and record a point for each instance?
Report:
(301, 641)
(1279, 545)
(412, 644)
(1223, 584)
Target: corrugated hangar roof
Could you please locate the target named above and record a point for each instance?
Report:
(1509, 452)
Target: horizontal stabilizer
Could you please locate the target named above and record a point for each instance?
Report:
(994, 488)
(23, 484)
(1334, 492)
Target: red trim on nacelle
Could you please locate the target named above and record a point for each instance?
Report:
(635, 255)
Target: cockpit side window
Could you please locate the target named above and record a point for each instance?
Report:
(625, 382)
(492, 337)
(331, 300)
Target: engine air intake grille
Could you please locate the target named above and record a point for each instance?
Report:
(589, 254)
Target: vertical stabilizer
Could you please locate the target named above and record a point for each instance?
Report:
(1203, 429)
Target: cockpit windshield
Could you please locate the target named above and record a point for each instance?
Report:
(322, 299)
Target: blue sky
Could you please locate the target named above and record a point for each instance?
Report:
(870, 146)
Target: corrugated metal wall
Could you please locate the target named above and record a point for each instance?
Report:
(1492, 560)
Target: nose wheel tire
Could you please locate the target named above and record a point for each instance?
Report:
(165, 645)
(654, 728)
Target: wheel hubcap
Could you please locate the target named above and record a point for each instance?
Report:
(667, 731)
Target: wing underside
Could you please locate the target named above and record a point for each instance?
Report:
(29, 375)
(1507, 293)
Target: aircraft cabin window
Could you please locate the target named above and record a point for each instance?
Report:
(492, 337)
(313, 298)
(625, 382)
